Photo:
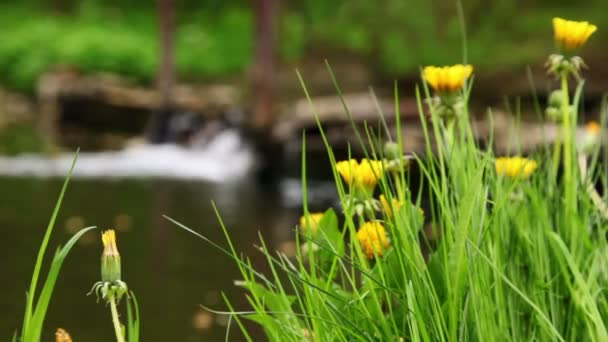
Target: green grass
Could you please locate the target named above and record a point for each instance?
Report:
(500, 259)
(37, 306)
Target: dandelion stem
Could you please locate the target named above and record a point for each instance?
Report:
(116, 320)
(567, 133)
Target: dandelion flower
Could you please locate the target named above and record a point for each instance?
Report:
(447, 79)
(369, 172)
(312, 224)
(362, 175)
(571, 35)
(515, 167)
(386, 206)
(592, 127)
(590, 138)
(62, 336)
(348, 170)
(373, 239)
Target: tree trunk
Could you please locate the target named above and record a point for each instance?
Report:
(159, 121)
(263, 72)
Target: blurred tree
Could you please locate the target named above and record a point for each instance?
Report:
(159, 122)
(264, 64)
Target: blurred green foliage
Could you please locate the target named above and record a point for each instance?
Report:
(20, 138)
(215, 38)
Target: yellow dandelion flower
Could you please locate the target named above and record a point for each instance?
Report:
(363, 175)
(312, 224)
(590, 138)
(448, 78)
(369, 173)
(348, 170)
(593, 127)
(571, 35)
(62, 336)
(515, 167)
(373, 239)
(396, 204)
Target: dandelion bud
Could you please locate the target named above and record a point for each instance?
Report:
(556, 98)
(392, 151)
(110, 259)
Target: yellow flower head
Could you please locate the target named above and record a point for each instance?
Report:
(448, 78)
(348, 170)
(365, 174)
(593, 128)
(396, 204)
(62, 336)
(515, 167)
(312, 224)
(571, 35)
(373, 239)
(369, 172)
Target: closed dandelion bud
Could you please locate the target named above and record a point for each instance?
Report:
(392, 151)
(554, 114)
(110, 259)
(556, 98)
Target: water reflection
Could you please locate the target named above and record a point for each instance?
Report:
(171, 271)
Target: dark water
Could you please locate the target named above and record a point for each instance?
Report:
(171, 271)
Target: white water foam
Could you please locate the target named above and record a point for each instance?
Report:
(224, 158)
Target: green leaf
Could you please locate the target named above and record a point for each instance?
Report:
(35, 330)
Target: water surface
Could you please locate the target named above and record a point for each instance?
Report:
(170, 271)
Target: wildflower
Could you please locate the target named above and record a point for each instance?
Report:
(571, 35)
(386, 206)
(62, 336)
(448, 79)
(373, 239)
(593, 128)
(515, 167)
(590, 138)
(110, 259)
(310, 225)
(369, 172)
(362, 175)
(110, 286)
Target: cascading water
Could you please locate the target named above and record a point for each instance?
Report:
(224, 157)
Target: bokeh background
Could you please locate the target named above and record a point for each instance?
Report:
(175, 103)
